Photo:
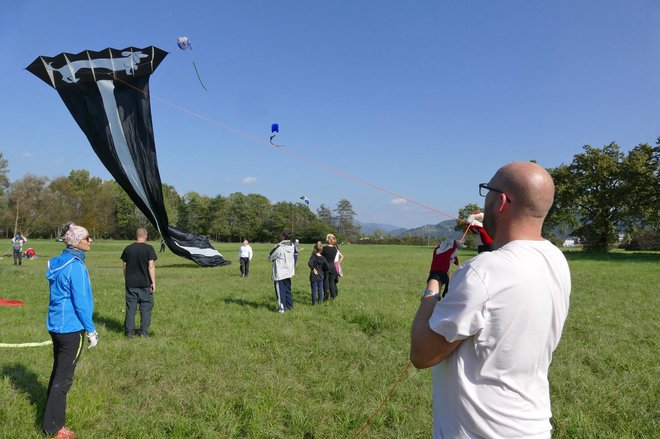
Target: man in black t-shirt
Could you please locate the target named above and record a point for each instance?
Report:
(140, 275)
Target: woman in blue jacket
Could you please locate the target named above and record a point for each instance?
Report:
(69, 317)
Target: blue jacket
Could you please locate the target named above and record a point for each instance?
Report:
(71, 302)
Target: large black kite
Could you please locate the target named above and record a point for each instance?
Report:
(107, 93)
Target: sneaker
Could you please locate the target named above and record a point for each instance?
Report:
(65, 433)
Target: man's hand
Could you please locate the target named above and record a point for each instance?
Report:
(476, 224)
(93, 338)
(443, 256)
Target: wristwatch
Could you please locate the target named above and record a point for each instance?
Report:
(430, 293)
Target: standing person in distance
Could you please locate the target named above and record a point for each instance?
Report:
(162, 246)
(490, 335)
(17, 248)
(296, 250)
(330, 253)
(283, 270)
(318, 271)
(70, 313)
(140, 280)
(244, 257)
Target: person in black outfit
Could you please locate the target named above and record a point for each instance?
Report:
(330, 253)
(318, 271)
(140, 275)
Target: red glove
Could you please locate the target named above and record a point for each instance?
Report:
(476, 224)
(443, 256)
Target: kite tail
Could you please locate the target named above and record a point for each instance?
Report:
(198, 77)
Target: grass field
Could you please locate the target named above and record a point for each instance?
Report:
(222, 363)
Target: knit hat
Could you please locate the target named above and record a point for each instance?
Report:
(74, 234)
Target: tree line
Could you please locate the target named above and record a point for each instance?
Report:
(38, 207)
(602, 193)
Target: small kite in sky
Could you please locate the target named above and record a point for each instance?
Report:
(274, 131)
(305, 200)
(185, 45)
(107, 93)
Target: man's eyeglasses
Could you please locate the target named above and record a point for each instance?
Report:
(484, 188)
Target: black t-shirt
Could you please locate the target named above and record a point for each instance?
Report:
(137, 257)
(330, 253)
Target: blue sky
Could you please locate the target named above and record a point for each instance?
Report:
(423, 98)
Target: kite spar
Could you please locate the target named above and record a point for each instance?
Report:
(107, 93)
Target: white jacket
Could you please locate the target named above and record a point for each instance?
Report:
(283, 262)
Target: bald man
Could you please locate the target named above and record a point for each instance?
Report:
(491, 336)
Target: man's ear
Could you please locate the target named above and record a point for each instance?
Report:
(503, 203)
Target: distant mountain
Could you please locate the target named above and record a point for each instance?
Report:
(372, 227)
(441, 230)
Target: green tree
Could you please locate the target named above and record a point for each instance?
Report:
(604, 189)
(27, 198)
(258, 209)
(346, 225)
(641, 176)
(561, 219)
(470, 239)
(194, 214)
(127, 216)
(238, 215)
(172, 202)
(218, 217)
(324, 213)
(4, 174)
(280, 218)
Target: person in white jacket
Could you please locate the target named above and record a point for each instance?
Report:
(284, 268)
(245, 256)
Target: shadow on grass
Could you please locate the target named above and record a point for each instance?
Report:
(27, 382)
(613, 257)
(111, 324)
(252, 304)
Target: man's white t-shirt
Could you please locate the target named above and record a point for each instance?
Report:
(509, 306)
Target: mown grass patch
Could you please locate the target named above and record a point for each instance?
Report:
(223, 363)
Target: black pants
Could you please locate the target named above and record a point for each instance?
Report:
(330, 286)
(145, 299)
(245, 266)
(66, 352)
(18, 258)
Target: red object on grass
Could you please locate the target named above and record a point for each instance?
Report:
(4, 302)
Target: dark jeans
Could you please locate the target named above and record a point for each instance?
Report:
(18, 258)
(330, 289)
(66, 352)
(317, 291)
(283, 292)
(144, 298)
(245, 266)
